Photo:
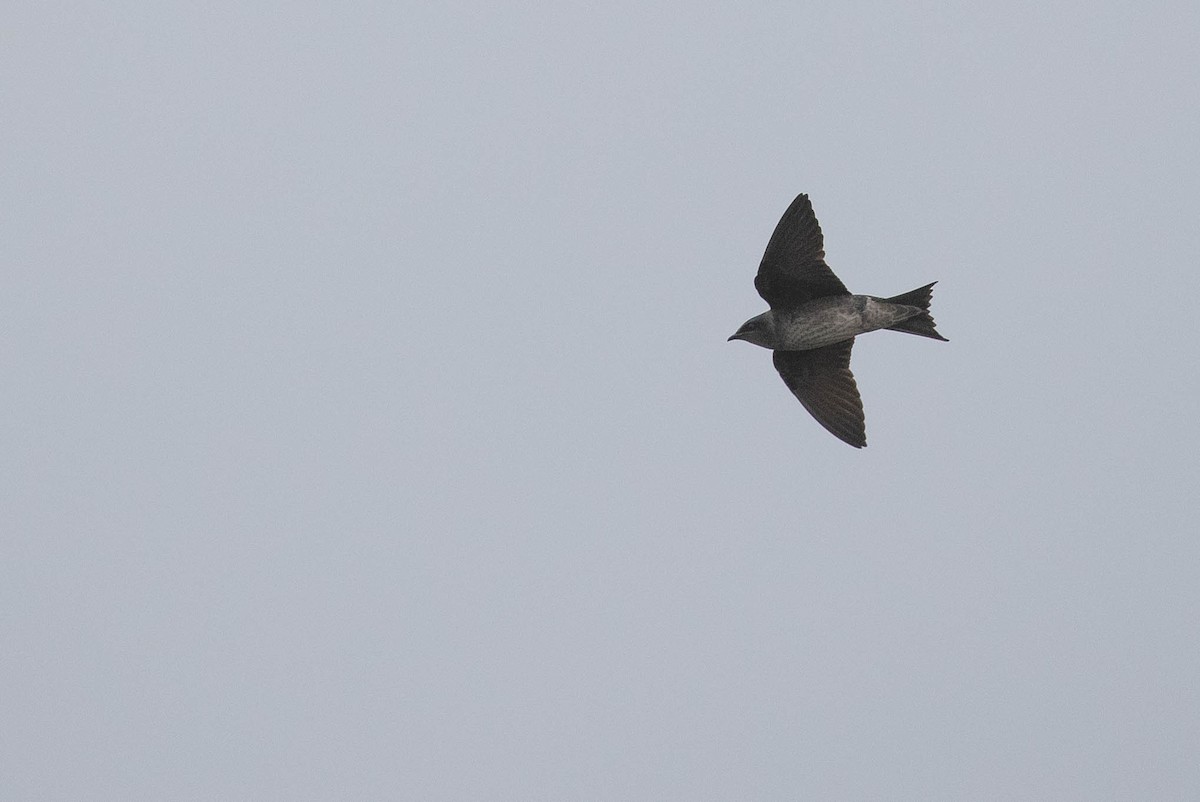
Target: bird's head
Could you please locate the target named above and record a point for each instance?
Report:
(759, 330)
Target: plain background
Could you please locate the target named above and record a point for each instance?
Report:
(369, 428)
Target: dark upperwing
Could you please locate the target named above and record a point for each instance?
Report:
(793, 268)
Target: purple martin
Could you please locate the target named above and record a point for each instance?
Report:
(814, 319)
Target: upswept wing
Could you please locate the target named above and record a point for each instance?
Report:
(793, 268)
(822, 380)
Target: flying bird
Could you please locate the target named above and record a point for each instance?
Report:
(814, 319)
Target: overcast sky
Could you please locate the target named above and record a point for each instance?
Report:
(369, 429)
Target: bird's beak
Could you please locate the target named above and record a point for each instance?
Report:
(733, 337)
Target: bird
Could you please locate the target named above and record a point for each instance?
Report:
(813, 320)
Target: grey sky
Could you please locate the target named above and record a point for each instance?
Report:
(369, 428)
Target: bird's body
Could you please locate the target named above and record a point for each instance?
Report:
(829, 320)
(814, 319)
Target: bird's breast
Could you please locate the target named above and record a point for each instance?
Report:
(825, 321)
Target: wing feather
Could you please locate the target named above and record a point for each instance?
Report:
(793, 268)
(822, 381)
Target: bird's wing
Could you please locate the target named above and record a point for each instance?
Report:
(793, 268)
(822, 380)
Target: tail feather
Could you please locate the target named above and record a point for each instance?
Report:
(921, 324)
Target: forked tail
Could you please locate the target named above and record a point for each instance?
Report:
(921, 324)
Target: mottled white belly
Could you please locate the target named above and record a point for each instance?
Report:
(826, 321)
